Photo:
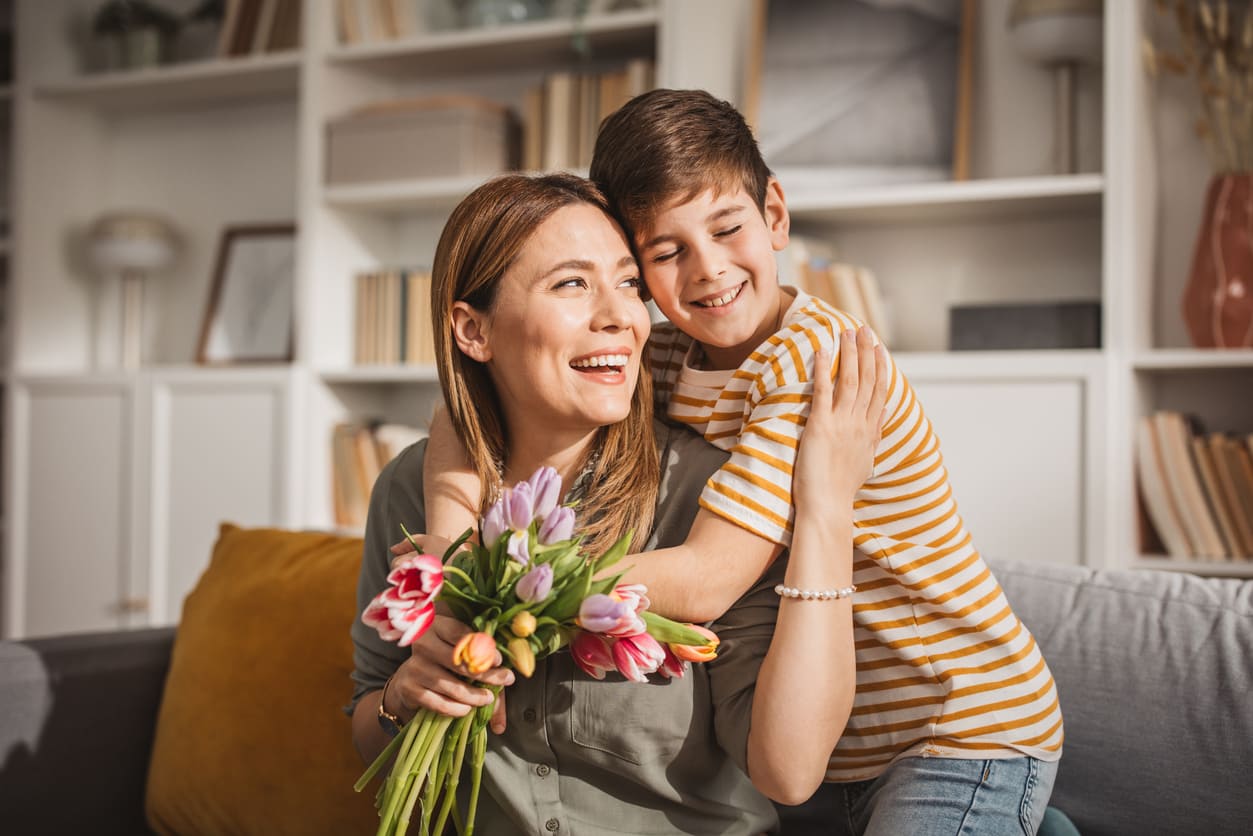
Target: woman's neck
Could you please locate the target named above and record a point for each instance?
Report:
(562, 452)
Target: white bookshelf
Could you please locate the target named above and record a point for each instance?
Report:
(1216, 569)
(1192, 359)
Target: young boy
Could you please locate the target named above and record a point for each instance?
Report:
(956, 715)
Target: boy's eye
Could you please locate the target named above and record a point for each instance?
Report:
(662, 258)
(729, 231)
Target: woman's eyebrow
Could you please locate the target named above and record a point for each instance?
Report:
(586, 266)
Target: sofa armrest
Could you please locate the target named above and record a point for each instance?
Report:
(77, 728)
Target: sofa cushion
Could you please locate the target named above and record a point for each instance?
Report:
(251, 736)
(1155, 676)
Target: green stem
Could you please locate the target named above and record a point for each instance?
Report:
(402, 771)
(476, 774)
(422, 773)
(453, 775)
(373, 768)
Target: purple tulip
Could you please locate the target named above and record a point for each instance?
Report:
(536, 584)
(519, 506)
(546, 489)
(493, 524)
(519, 546)
(557, 526)
(603, 614)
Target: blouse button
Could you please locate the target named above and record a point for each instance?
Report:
(529, 715)
(552, 825)
(542, 770)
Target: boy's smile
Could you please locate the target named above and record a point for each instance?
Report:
(709, 264)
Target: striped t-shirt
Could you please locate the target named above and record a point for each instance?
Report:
(944, 667)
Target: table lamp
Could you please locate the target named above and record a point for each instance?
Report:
(1062, 34)
(133, 245)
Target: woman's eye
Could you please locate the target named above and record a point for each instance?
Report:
(731, 231)
(633, 282)
(569, 283)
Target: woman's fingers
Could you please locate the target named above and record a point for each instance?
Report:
(848, 382)
(866, 372)
(822, 379)
(879, 398)
(428, 543)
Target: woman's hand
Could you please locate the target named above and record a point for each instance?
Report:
(429, 679)
(836, 454)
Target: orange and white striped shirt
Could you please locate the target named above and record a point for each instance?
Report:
(944, 667)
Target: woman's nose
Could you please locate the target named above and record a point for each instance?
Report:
(613, 311)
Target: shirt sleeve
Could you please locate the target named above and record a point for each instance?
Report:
(395, 500)
(754, 488)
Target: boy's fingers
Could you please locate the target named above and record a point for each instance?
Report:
(402, 548)
(822, 379)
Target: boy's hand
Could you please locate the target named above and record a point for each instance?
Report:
(429, 543)
(837, 447)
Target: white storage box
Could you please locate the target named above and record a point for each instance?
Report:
(442, 136)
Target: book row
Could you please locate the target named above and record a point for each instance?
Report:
(1196, 487)
(358, 454)
(811, 265)
(393, 318)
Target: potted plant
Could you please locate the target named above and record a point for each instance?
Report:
(136, 33)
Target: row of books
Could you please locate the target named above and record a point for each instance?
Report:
(562, 115)
(1197, 487)
(255, 26)
(360, 21)
(393, 318)
(358, 454)
(811, 265)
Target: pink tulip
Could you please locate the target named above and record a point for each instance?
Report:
(417, 577)
(546, 490)
(519, 547)
(535, 584)
(592, 654)
(519, 506)
(557, 526)
(637, 656)
(493, 525)
(413, 622)
(609, 615)
(698, 652)
(673, 667)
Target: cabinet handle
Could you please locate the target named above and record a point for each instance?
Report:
(132, 605)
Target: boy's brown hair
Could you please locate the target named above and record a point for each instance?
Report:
(668, 145)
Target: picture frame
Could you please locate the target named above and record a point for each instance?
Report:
(862, 92)
(249, 315)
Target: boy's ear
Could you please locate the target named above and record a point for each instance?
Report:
(778, 221)
(471, 330)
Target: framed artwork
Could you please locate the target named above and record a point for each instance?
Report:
(862, 92)
(249, 315)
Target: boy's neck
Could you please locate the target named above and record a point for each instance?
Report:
(715, 358)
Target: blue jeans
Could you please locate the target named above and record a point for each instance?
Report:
(920, 796)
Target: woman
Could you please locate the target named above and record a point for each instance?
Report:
(540, 327)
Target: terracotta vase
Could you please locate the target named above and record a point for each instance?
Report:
(1218, 299)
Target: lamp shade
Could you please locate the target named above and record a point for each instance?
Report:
(1058, 31)
(131, 241)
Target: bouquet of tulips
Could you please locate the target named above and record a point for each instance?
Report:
(527, 590)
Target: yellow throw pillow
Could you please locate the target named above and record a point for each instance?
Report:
(251, 736)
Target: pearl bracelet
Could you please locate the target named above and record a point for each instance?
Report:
(815, 594)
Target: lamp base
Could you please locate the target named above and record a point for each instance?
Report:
(132, 319)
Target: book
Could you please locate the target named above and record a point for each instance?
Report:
(872, 301)
(267, 15)
(1216, 497)
(285, 33)
(845, 291)
(1241, 460)
(226, 35)
(1226, 469)
(420, 343)
(1184, 484)
(559, 126)
(1158, 501)
(533, 129)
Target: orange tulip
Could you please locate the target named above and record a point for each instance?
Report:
(698, 652)
(477, 651)
(523, 624)
(523, 657)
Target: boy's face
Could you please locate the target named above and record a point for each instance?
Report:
(709, 264)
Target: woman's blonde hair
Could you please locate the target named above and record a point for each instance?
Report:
(480, 241)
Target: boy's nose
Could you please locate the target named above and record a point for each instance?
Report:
(708, 264)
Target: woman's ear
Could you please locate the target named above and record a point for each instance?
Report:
(777, 219)
(470, 328)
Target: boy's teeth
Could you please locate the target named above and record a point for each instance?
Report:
(603, 360)
(719, 301)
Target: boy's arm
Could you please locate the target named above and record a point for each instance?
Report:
(450, 485)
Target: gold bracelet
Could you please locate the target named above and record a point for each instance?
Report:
(390, 723)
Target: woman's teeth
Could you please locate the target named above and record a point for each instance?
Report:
(719, 301)
(603, 360)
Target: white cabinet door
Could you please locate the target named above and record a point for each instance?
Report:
(219, 454)
(70, 486)
(1015, 456)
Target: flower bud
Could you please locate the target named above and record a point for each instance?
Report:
(546, 488)
(535, 585)
(557, 526)
(477, 651)
(493, 525)
(698, 652)
(523, 656)
(523, 624)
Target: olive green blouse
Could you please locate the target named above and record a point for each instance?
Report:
(590, 757)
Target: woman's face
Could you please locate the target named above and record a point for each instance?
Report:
(565, 336)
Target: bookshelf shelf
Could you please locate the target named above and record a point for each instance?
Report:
(184, 85)
(521, 45)
(1193, 359)
(966, 201)
(998, 365)
(402, 196)
(1224, 569)
(380, 374)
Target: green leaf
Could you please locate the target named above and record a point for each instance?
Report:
(671, 632)
(566, 604)
(615, 553)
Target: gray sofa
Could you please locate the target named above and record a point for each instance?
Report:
(1155, 673)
